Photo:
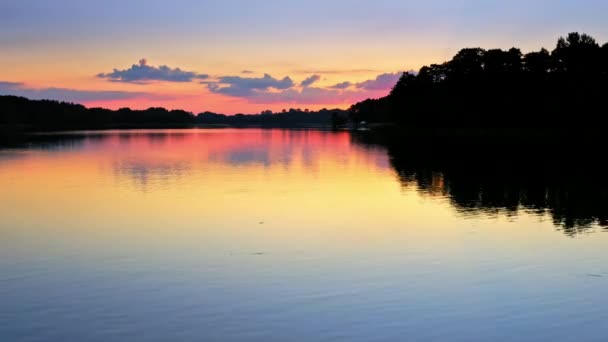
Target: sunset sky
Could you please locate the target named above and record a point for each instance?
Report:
(234, 56)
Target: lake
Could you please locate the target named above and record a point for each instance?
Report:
(294, 235)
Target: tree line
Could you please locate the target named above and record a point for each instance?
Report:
(286, 118)
(18, 113)
(566, 87)
(51, 115)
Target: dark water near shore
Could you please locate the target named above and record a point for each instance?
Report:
(263, 235)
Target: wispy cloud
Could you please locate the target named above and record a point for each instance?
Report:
(310, 80)
(335, 71)
(307, 95)
(342, 85)
(143, 73)
(72, 95)
(9, 85)
(247, 72)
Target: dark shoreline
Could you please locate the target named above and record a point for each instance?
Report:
(11, 135)
(379, 131)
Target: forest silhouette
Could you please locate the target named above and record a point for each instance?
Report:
(19, 114)
(564, 88)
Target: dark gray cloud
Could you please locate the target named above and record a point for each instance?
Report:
(71, 95)
(248, 87)
(382, 82)
(143, 73)
(342, 85)
(247, 72)
(310, 80)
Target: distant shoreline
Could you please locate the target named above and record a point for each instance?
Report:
(10, 134)
(377, 131)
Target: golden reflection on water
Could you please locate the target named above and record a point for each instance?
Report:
(264, 184)
(298, 177)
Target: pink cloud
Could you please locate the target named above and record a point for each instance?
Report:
(382, 82)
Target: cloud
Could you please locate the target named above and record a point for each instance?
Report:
(342, 85)
(9, 85)
(247, 72)
(382, 82)
(269, 90)
(143, 73)
(308, 95)
(71, 95)
(248, 87)
(335, 71)
(310, 80)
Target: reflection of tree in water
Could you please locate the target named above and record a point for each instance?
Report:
(56, 142)
(146, 174)
(565, 182)
(251, 155)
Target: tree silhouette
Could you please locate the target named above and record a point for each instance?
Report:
(497, 89)
(576, 54)
(538, 63)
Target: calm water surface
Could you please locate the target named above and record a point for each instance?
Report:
(275, 235)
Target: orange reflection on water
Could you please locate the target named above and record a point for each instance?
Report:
(131, 177)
